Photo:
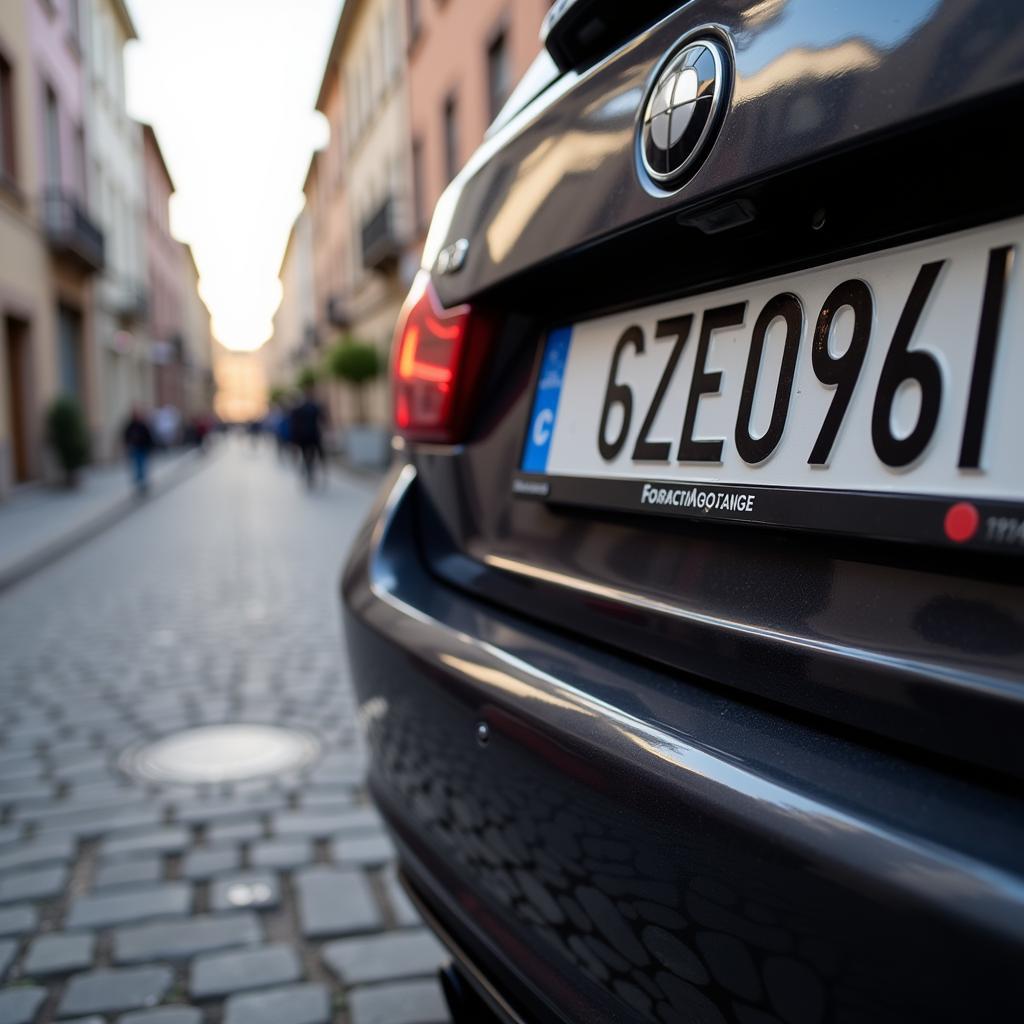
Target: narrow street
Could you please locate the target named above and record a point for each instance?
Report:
(270, 900)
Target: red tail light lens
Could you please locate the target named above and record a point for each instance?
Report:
(437, 355)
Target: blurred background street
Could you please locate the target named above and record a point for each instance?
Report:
(210, 213)
(267, 901)
(198, 223)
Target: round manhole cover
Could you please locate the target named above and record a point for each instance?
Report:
(249, 894)
(221, 753)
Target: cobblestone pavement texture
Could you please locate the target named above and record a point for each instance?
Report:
(271, 899)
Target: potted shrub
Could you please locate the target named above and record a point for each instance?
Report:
(68, 437)
(307, 378)
(357, 363)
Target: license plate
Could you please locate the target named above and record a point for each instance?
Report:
(877, 396)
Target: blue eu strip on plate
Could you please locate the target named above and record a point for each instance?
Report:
(545, 402)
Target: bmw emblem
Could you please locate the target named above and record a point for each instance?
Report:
(684, 111)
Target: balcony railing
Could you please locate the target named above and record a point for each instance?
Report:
(308, 347)
(129, 301)
(70, 232)
(381, 246)
(338, 313)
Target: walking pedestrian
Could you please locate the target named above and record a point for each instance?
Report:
(138, 442)
(167, 425)
(276, 423)
(305, 429)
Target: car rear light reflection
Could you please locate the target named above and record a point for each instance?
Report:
(437, 355)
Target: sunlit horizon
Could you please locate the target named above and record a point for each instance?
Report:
(229, 87)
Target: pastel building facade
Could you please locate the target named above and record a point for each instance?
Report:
(198, 381)
(293, 342)
(409, 90)
(165, 308)
(360, 195)
(465, 57)
(50, 245)
(117, 197)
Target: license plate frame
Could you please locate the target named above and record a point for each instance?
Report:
(975, 513)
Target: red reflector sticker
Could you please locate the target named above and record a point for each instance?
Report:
(961, 522)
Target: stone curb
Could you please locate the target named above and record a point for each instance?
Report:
(185, 466)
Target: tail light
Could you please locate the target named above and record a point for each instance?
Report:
(437, 357)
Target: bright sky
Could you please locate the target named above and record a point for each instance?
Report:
(229, 86)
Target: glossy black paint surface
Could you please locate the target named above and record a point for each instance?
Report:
(626, 847)
(812, 78)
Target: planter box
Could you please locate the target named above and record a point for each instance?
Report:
(368, 447)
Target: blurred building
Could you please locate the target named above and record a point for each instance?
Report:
(464, 59)
(329, 242)
(198, 380)
(358, 188)
(241, 385)
(409, 90)
(293, 343)
(97, 301)
(164, 270)
(117, 195)
(50, 245)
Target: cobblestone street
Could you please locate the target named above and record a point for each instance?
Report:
(271, 901)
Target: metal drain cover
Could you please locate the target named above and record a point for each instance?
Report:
(221, 753)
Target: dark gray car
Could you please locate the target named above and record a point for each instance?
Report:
(689, 626)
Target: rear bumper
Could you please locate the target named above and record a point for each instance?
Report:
(629, 845)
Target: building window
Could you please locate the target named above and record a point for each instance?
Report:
(118, 66)
(451, 137)
(80, 168)
(351, 113)
(393, 20)
(7, 165)
(69, 335)
(418, 201)
(498, 73)
(413, 17)
(384, 78)
(74, 23)
(339, 154)
(52, 139)
(19, 396)
(363, 77)
(370, 70)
